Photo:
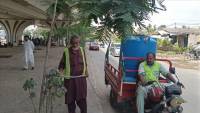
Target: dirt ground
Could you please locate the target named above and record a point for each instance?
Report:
(181, 61)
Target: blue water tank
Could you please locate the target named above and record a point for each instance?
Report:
(135, 47)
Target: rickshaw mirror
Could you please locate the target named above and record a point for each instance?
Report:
(172, 70)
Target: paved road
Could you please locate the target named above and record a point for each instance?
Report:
(191, 79)
(96, 70)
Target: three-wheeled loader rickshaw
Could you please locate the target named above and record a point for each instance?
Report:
(123, 81)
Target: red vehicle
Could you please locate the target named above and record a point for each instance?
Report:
(94, 46)
(123, 81)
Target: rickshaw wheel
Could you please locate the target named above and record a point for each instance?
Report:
(113, 99)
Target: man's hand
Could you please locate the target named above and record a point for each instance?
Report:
(61, 71)
(180, 84)
(141, 80)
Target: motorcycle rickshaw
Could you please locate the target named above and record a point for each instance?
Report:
(123, 81)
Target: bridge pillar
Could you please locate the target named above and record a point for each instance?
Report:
(14, 29)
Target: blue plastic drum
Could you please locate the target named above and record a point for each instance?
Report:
(135, 47)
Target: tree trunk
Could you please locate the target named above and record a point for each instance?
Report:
(43, 88)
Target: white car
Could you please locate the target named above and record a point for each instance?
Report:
(115, 49)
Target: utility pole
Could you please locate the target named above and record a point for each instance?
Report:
(175, 25)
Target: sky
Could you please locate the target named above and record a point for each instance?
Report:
(181, 12)
(178, 11)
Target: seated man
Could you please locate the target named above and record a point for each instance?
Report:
(149, 70)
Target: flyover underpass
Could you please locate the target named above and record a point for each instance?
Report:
(16, 15)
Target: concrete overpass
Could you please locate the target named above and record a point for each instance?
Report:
(16, 15)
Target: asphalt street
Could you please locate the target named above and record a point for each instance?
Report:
(189, 77)
(14, 100)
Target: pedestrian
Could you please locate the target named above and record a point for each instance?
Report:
(73, 66)
(28, 53)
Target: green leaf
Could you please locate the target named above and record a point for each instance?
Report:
(29, 84)
(114, 14)
(32, 95)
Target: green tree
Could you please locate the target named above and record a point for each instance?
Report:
(114, 16)
(151, 29)
(43, 96)
(166, 43)
(184, 26)
(117, 15)
(41, 32)
(28, 32)
(29, 86)
(162, 26)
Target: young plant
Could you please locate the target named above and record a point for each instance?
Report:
(54, 88)
(29, 86)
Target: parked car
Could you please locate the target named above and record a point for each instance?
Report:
(94, 46)
(53, 43)
(115, 49)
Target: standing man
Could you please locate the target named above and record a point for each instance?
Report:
(28, 53)
(150, 70)
(73, 65)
